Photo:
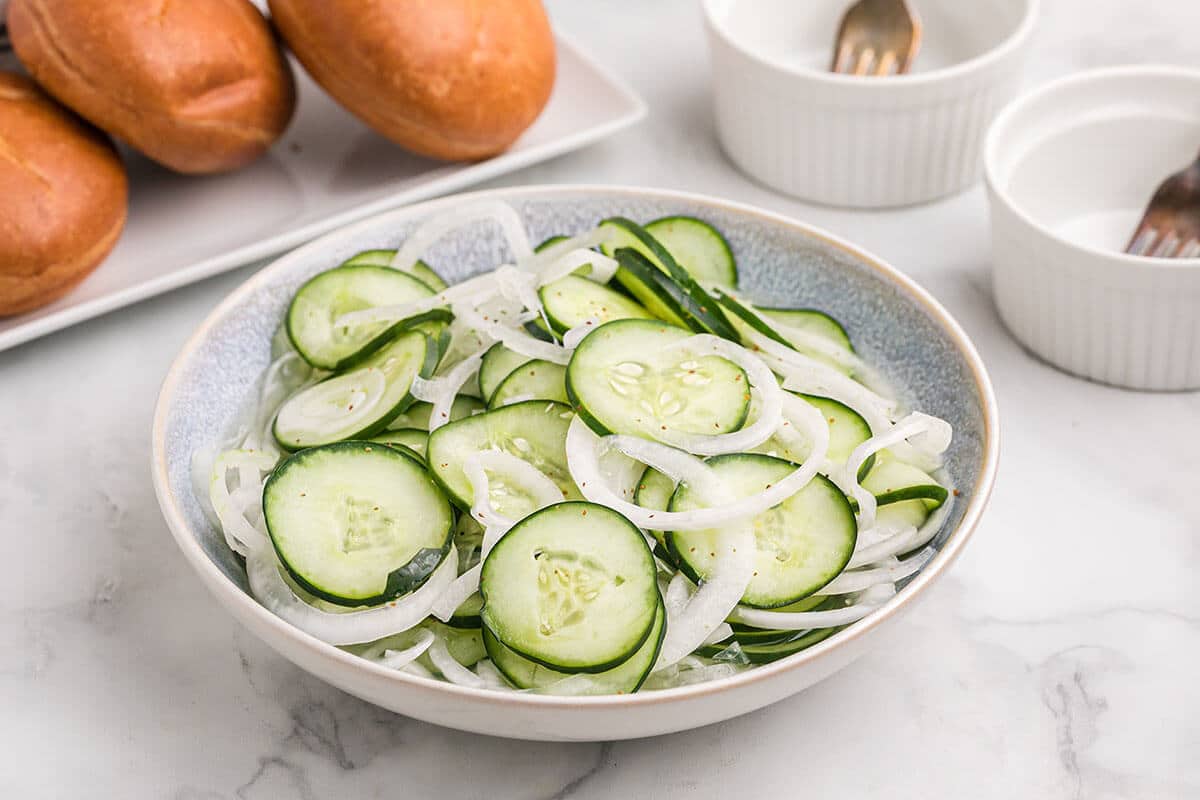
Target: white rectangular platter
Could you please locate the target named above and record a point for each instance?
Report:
(327, 170)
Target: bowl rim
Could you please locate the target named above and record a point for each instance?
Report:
(960, 69)
(1003, 122)
(228, 592)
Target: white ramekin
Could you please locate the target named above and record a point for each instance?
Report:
(862, 142)
(1070, 168)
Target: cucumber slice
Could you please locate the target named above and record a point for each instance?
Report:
(418, 414)
(701, 312)
(572, 587)
(906, 494)
(413, 440)
(812, 320)
(701, 308)
(623, 378)
(383, 258)
(553, 240)
(572, 300)
(498, 362)
(803, 543)
(654, 491)
(533, 380)
(360, 403)
(847, 430)
(357, 523)
(625, 678)
(467, 615)
(535, 431)
(326, 297)
(464, 644)
(652, 288)
(766, 652)
(698, 247)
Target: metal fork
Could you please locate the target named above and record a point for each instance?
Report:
(1171, 225)
(877, 37)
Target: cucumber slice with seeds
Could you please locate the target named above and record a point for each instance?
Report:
(698, 247)
(624, 378)
(498, 362)
(533, 380)
(360, 403)
(625, 678)
(572, 300)
(383, 258)
(803, 543)
(357, 523)
(318, 304)
(535, 431)
(572, 587)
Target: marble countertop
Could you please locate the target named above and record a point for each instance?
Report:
(1057, 660)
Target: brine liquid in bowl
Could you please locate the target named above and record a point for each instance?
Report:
(800, 35)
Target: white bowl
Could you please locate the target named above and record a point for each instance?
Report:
(862, 142)
(895, 324)
(1070, 169)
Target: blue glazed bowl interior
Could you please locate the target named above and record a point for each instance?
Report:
(780, 264)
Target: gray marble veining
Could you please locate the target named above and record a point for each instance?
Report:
(1056, 661)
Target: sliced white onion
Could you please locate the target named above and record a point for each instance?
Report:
(802, 373)
(334, 405)
(574, 336)
(761, 379)
(677, 594)
(473, 290)
(719, 634)
(602, 267)
(909, 427)
(856, 581)
(448, 387)
(871, 600)
(457, 593)
(451, 670)
(352, 627)
(521, 287)
(240, 534)
(514, 339)
(543, 260)
(491, 676)
(893, 543)
(398, 659)
(543, 490)
(813, 342)
(583, 462)
(434, 228)
(415, 668)
(716, 597)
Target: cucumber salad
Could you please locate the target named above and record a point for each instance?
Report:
(596, 469)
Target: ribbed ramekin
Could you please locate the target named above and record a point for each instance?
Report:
(852, 141)
(1069, 169)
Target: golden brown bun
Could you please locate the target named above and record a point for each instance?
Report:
(197, 85)
(451, 79)
(62, 197)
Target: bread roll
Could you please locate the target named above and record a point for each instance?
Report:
(197, 85)
(62, 197)
(450, 79)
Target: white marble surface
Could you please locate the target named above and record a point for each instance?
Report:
(1058, 659)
